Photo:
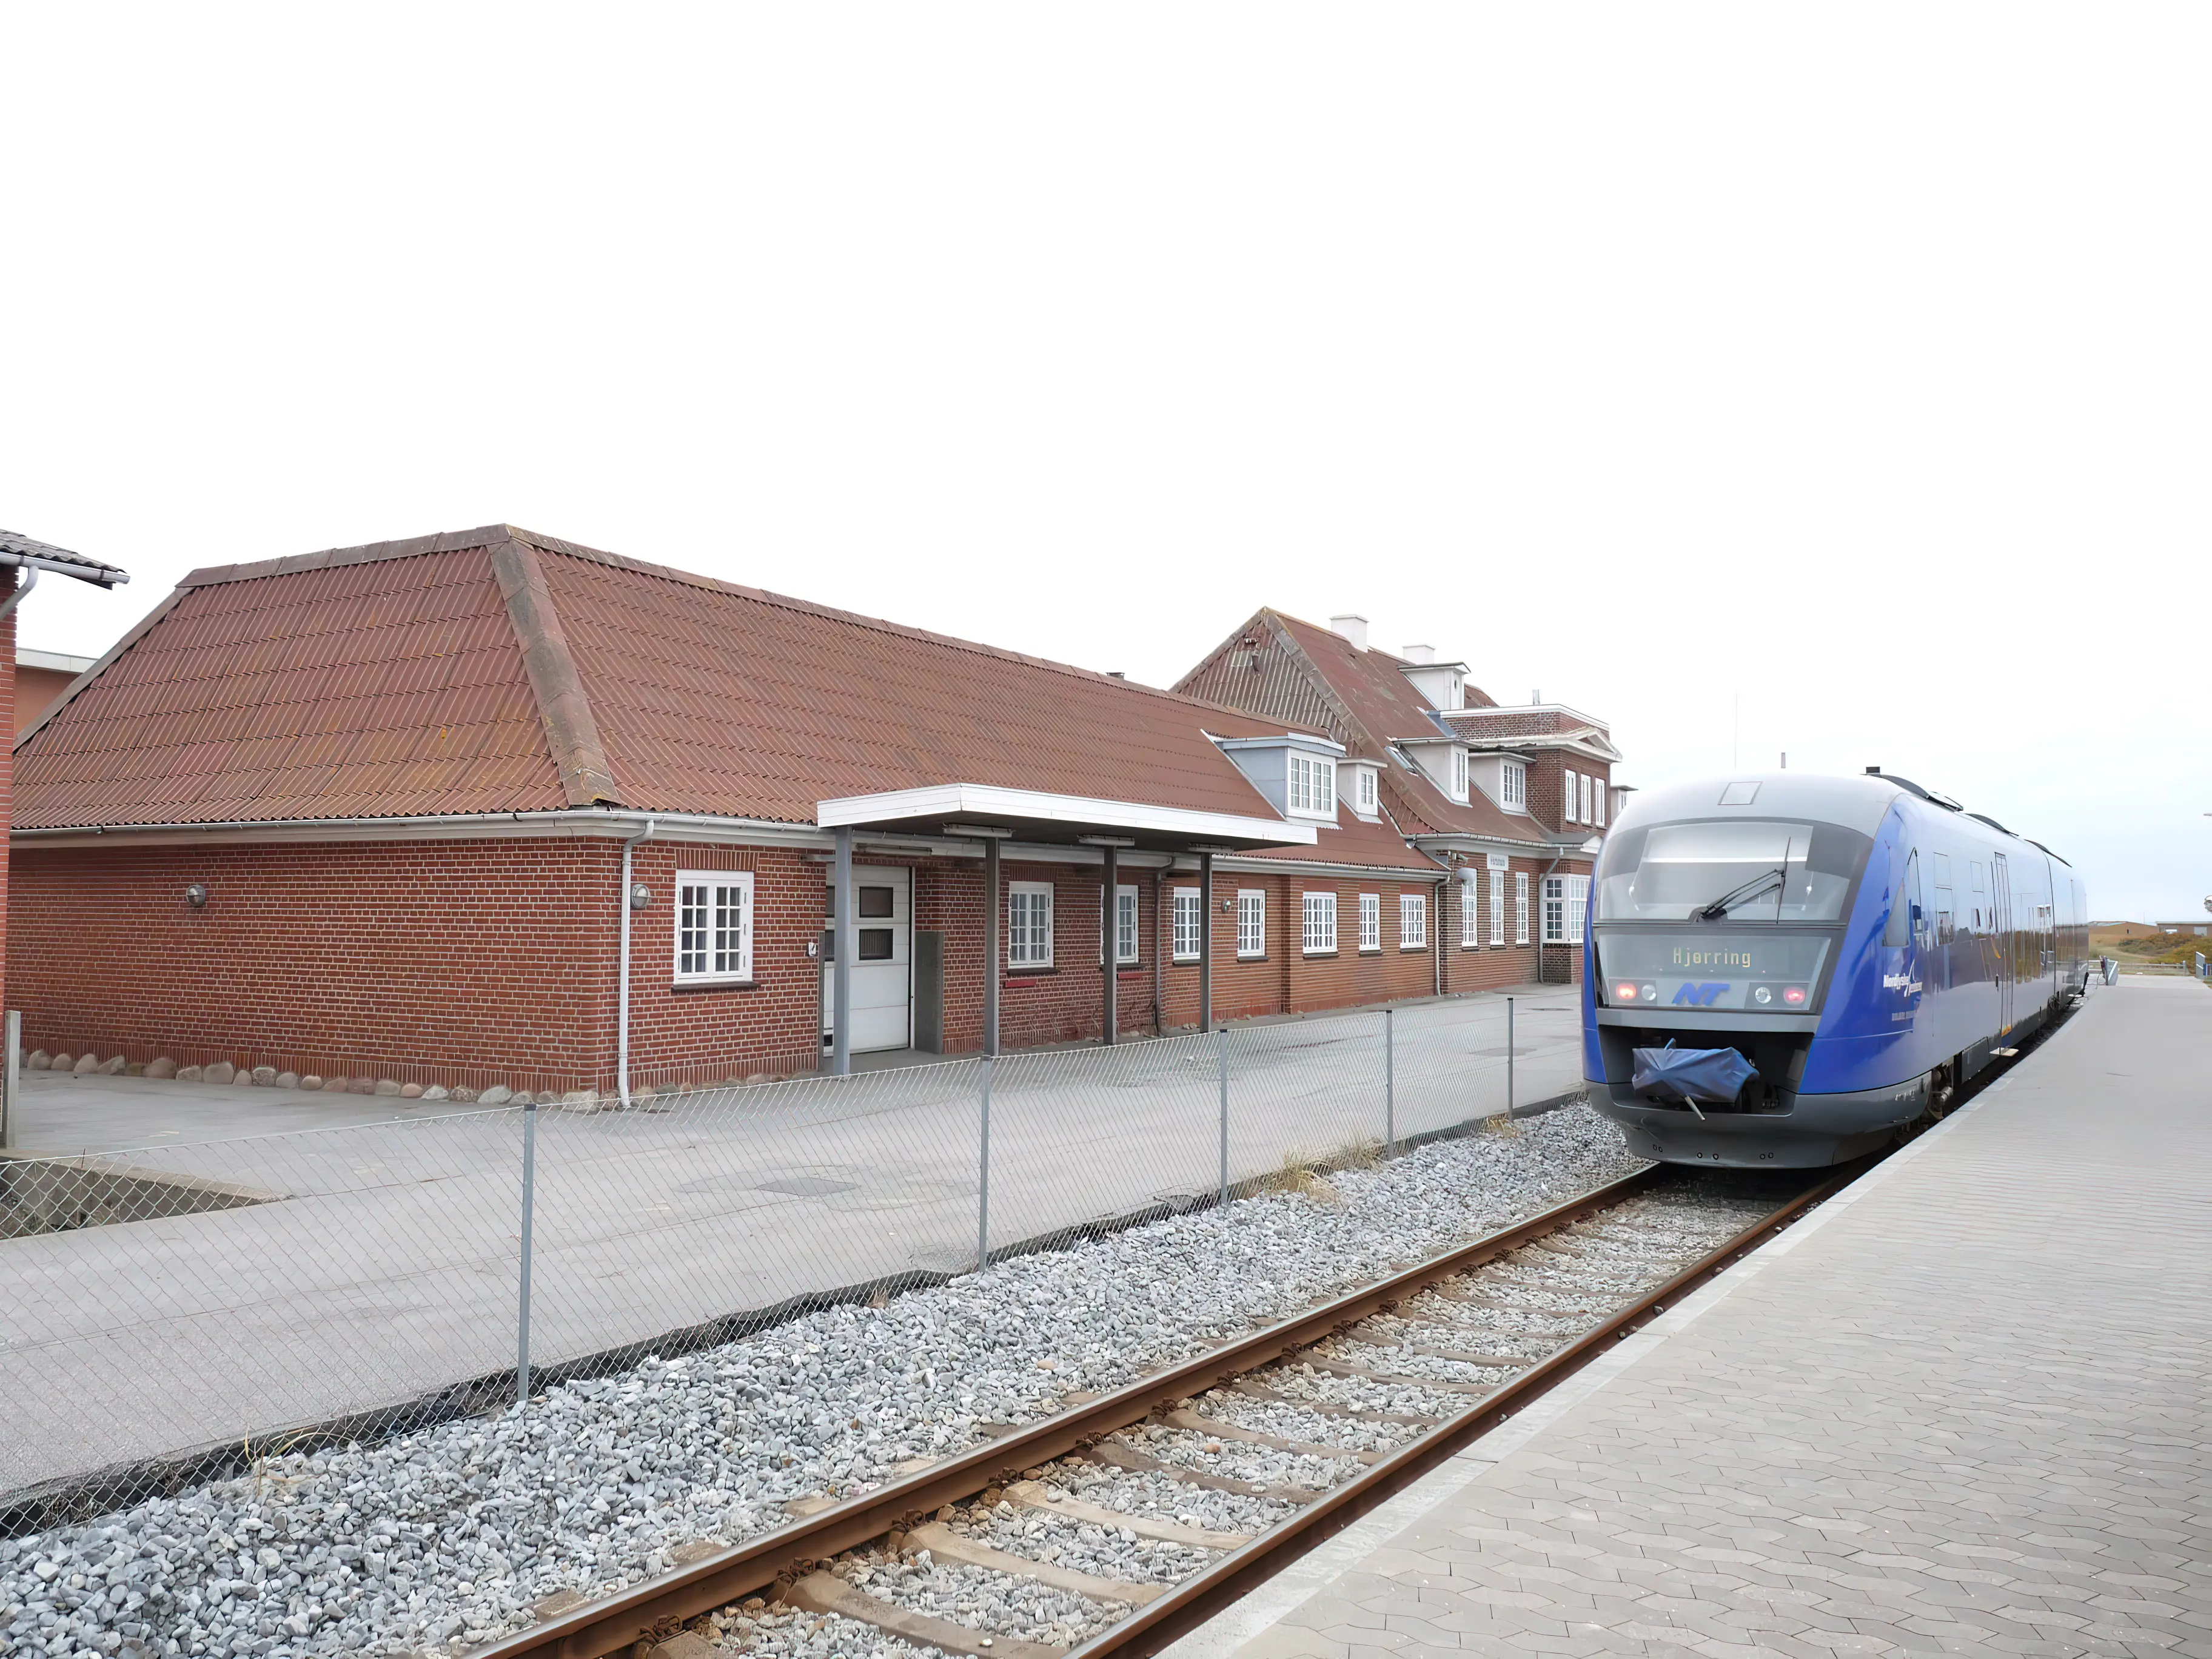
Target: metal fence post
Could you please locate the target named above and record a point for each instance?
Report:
(1389, 1084)
(529, 1203)
(1509, 1056)
(12, 1079)
(1221, 1043)
(983, 1184)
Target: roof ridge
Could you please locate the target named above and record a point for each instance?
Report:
(455, 541)
(564, 707)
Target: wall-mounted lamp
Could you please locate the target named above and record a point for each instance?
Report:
(641, 895)
(195, 894)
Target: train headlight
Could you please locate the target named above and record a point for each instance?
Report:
(1762, 996)
(1651, 993)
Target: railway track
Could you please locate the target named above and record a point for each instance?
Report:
(1117, 1525)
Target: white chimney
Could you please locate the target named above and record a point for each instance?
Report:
(1418, 654)
(1536, 698)
(1353, 628)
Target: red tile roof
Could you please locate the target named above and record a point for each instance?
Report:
(498, 670)
(1280, 665)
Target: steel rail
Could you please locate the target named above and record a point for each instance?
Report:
(613, 1623)
(1191, 1601)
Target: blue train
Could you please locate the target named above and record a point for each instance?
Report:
(1788, 969)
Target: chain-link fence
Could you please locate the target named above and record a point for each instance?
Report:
(170, 1313)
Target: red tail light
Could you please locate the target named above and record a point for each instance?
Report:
(1794, 995)
(1624, 992)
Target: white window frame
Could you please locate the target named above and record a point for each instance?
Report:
(1470, 917)
(1566, 908)
(1364, 799)
(1251, 924)
(1132, 935)
(1520, 906)
(1497, 907)
(718, 963)
(1513, 784)
(1184, 905)
(1317, 919)
(1458, 774)
(1413, 921)
(1576, 796)
(1311, 785)
(1597, 800)
(1023, 949)
(1370, 922)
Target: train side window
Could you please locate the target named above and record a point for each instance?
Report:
(1904, 921)
(1940, 868)
(1980, 874)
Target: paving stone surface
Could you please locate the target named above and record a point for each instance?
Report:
(1965, 1411)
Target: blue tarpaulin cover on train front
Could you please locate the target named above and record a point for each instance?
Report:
(1693, 1073)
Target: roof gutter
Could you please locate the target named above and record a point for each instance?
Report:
(99, 575)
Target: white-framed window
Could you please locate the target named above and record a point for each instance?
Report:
(1320, 916)
(1125, 924)
(1029, 924)
(1566, 906)
(1251, 922)
(713, 925)
(1187, 921)
(1470, 917)
(1412, 920)
(1313, 784)
(1370, 922)
(1497, 907)
(1597, 800)
(1567, 812)
(1520, 906)
(1513, 783)
(1363, 797)
(1459, 774)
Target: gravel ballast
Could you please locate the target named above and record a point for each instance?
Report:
(449, 1536)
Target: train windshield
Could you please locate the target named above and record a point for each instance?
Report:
(1729, 870)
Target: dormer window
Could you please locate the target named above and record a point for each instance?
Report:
(1363, 801)
(1513, 784)
(1459, 775)
(1313, 784)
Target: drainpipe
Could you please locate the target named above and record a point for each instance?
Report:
(23, 587)
(1436, 935)
(622, 990)
(1159, 895)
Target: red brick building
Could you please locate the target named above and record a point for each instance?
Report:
(489, 807)
(1506, 799)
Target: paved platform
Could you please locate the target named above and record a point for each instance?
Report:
(1964, 1408)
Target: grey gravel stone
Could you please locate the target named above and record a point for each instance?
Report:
(37, 1061)
(498, 1094)
(161, 1066)
(221, 1071)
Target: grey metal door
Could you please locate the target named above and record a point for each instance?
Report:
(2008, 945)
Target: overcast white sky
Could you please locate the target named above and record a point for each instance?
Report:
(1853, 360)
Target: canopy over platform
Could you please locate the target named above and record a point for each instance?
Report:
(989, 810)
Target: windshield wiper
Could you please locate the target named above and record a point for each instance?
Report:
(1736, 895)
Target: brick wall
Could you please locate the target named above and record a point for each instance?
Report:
(494, 961)
(452, 962)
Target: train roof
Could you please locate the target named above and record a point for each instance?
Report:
(1855, 803)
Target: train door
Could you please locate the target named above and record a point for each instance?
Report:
(2001, 898)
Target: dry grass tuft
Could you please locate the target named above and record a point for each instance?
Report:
(1504, 1127)
(1302, 1174)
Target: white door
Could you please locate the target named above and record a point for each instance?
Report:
(883, 968)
